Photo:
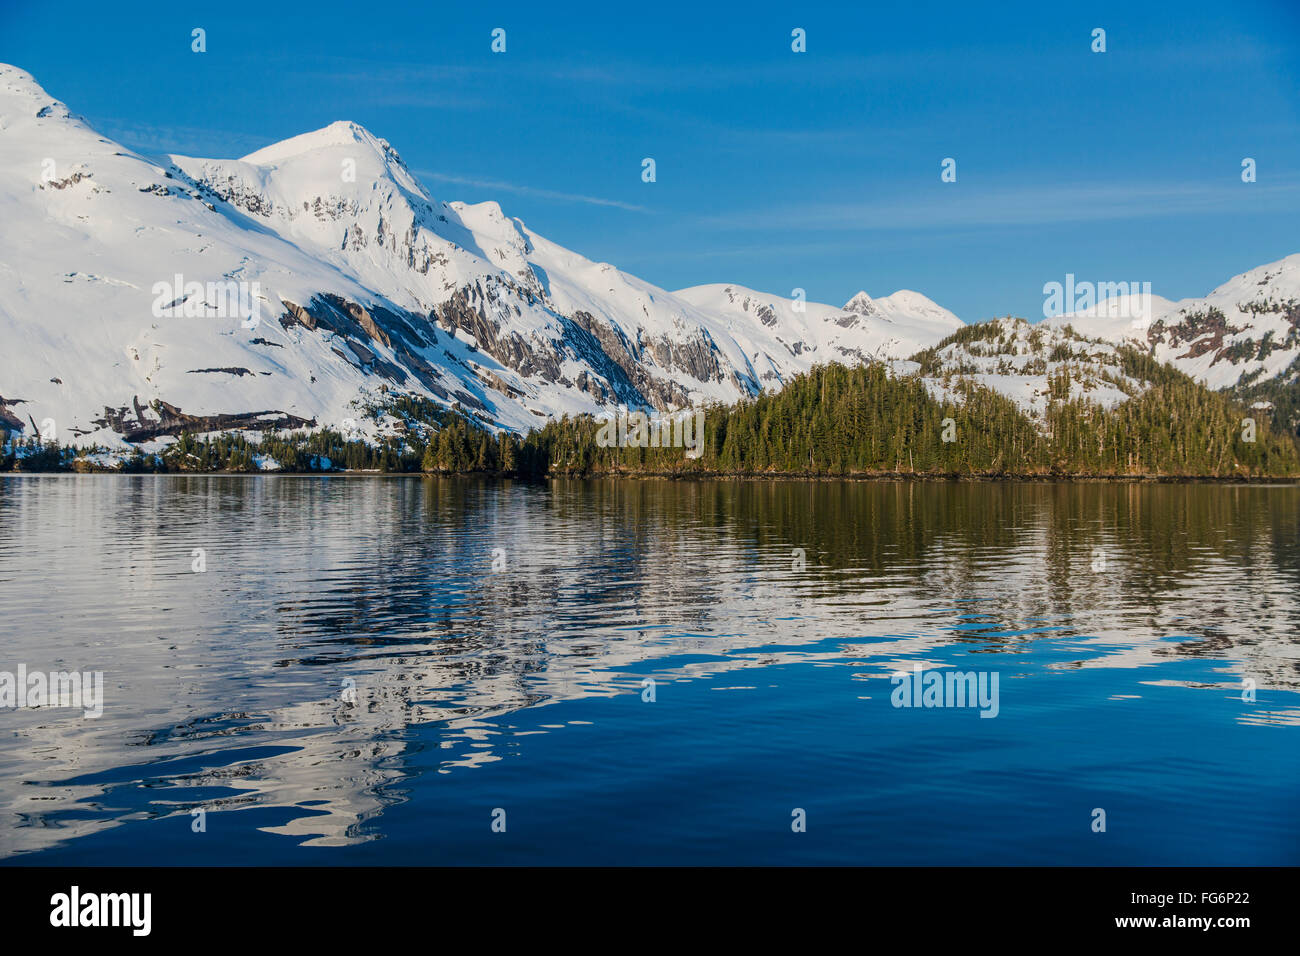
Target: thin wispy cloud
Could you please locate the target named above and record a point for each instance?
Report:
(957, 206)
(772, 66)
(183, 140)
(530, 191)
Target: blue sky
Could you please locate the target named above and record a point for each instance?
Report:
(775, 170)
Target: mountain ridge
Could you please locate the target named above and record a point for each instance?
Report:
(118, 302)
(355, 281)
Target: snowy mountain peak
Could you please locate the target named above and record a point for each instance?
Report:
(861, 304)
(907, 299)
(343, 158)
(16, 83)
(341, 133)
(486, 215)
(1281, 276)
(1245, 330)
(22, 96)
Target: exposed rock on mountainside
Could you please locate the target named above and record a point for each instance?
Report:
(1245, 331)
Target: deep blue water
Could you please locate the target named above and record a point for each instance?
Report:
(1122, 622)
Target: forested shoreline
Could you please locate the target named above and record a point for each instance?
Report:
(832, 422)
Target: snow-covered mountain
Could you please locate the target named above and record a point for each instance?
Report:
(1032, 365)
(1245, 331)
(862, 330)
(140, 296)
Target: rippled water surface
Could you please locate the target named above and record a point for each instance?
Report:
(1126, 625)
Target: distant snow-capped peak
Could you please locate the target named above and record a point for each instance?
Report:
(860, 303)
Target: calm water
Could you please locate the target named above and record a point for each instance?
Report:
(523, 689)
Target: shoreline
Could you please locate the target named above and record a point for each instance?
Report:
(899, 477)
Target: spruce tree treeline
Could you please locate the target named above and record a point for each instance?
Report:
(833, 421)
(839, 421)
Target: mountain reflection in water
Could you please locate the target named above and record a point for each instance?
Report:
(1124, 620)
